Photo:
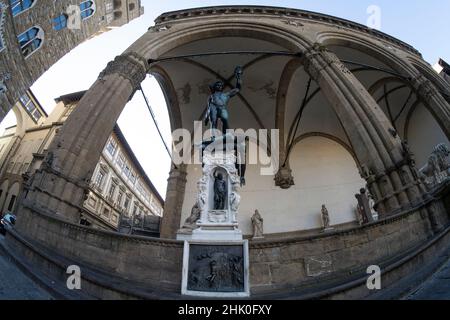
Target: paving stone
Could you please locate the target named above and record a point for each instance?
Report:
(436, 288)
(15, 285)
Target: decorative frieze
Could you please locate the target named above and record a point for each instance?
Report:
(281, 12)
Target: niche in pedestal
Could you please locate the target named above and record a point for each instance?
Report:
(219, 190)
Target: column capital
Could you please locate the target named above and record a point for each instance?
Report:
(130, 66)
(424, 87)
(318, 58)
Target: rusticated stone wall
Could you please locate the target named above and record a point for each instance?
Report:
(153, 262)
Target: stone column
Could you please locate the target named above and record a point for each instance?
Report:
(173, 204)
(60, 184)
(377, 146)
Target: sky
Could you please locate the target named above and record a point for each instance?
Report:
(417, 22)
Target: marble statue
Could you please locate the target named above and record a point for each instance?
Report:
(372, 207)
(218, 101)
(191, 221)
(325, 217)
(408, 154)
(202, 196)
(258, 225)
(364, 208)
(235, 200)
(220, 192)
(437, 168)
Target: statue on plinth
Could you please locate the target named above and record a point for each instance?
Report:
(364, 206)
(325, 218)
(258, 225)
(220, 192)
(191, 222)
(235, 200)
(218, 100)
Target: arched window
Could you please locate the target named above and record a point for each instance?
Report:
(87, 9)
(117, 15)
(18, 6)
(30, 40)
(60, 22)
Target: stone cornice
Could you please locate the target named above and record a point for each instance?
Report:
(282, 13)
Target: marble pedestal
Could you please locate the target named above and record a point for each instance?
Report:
(215, 262)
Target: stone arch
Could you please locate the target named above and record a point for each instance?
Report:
(169, 94)
(368, 46)
(283, 87)
(431, 75)
(20, 128)
(156, 46)
(293, 42)
(61, 184)
(410, 70)
(408, 67)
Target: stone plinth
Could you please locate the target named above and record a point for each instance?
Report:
(215, 260)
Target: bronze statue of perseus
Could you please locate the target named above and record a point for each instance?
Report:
(218, 100)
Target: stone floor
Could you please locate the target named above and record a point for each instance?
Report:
(435, 288)
(15, 285)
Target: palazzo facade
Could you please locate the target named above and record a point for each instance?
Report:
(120, 196)
(35, 34)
